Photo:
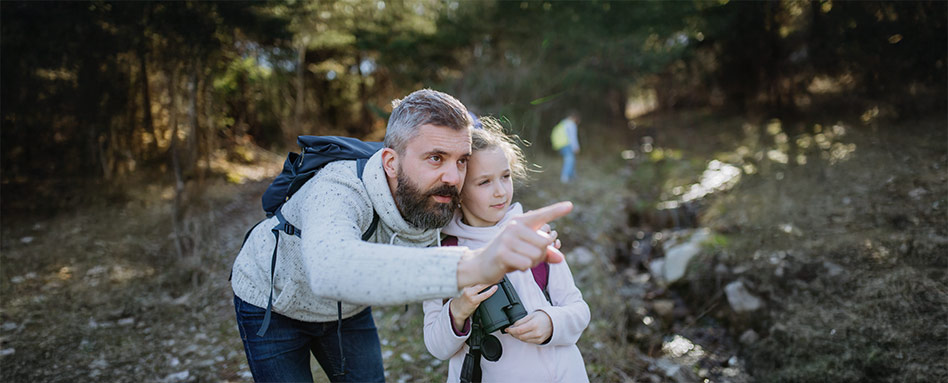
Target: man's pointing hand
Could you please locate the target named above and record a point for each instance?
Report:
(520, 246)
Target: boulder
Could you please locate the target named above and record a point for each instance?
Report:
(677, 256)
(740, 299)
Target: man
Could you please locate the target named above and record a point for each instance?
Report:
(325, 280)
(566, 141)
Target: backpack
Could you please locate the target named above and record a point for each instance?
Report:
(558, 137)
(315, 153)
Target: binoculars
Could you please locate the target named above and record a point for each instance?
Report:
(495, 313)
(500, 310)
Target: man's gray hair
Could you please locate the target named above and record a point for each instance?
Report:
(423, 107)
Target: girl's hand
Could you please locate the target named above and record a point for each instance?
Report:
(552, 233)
(464, 305)
(534, 328)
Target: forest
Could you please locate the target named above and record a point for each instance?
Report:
(796, 150)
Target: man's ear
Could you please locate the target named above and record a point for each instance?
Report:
(390, 162)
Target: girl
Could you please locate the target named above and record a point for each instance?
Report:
(540, 347)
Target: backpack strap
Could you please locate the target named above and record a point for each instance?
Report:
(360, 168)
(288, 228)
(546, 286)
(542, 272)
(273, 261)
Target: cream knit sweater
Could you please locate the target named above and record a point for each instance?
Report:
(330, 262)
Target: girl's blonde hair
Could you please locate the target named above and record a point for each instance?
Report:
(492, 135)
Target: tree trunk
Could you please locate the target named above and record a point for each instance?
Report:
(146, 101)
(210, 130)
(192, 157)
(177, 207)
(300, 91)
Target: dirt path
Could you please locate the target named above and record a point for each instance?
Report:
(98, 294)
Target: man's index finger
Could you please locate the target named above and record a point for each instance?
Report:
(539, 217)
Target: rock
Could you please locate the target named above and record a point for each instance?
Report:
(676, 260)
(26, 239)
(732, 361)
(749, 337)
(656, 267)
(740, 299)
(664, 307)
(9, 326)
(99, 364)
(581, 256)
(678, 256)
(97, 271)
(677, 347)
(833, 269)
(917, 193)
(720, 269)
(7, 351)
(676, 372)
(790, 228)
(178, 376)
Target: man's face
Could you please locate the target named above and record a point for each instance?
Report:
(430, 175)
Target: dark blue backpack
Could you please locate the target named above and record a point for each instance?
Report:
(315, 153)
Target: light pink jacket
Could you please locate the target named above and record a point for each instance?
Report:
(557, 361)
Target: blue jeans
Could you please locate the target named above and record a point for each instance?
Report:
(282, 354)
(569, 163)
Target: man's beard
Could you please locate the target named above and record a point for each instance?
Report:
(419, 209)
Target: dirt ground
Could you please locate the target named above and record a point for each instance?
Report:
(839, 225)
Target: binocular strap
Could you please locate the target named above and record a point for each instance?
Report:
(479, 345)
(471, 369)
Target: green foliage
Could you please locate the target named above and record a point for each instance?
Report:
(273, 70)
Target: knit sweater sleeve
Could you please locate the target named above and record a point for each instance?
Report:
(569, 313)
(338, 265)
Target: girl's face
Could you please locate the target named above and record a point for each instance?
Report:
(488, 188)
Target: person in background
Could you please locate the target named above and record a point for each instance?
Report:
(540, 347)
(565, 139)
